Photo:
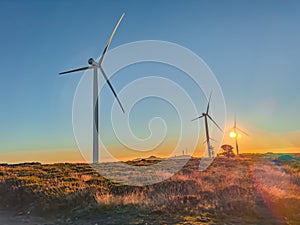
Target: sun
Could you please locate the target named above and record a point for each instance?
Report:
(232, 134)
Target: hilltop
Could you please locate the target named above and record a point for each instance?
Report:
(250, 189)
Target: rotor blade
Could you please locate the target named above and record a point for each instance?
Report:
(110, 38)
(235, 120)
(213, 139)
(214, 122)
(242, 131)
(112, 89)
(208, 102)
(197, 118)
(75, 70)
(209, 139)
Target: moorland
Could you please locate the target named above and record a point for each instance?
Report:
(248, 189)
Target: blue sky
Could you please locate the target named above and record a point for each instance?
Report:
(251, 46)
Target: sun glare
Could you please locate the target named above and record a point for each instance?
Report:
(232, 134)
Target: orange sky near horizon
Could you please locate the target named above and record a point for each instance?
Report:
(256, 142)
(74, 155)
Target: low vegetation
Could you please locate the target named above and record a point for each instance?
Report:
(248, 189)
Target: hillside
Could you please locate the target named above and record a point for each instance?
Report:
(251, 189)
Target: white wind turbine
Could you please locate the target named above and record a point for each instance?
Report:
(95, 66)
(208, 138)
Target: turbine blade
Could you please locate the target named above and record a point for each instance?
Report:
(111, 88)
(75, 70)
(209, 139)
(213, 139)
(235, 120)
(214, 122)
(242, 131)
(207, 109)
(197, 118)
(110, 39)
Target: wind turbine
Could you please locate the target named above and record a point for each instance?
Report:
(234, 134)
(95, 66)
(206, 116)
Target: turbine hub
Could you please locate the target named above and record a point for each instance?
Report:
(92, 62)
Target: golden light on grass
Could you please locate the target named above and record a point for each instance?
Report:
(232, 134)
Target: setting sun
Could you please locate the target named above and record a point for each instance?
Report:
(232, 134)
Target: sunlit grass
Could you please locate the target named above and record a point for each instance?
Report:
(250, 188)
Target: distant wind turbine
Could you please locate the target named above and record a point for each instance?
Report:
(234, 134)
(206, 115)
(95, 66)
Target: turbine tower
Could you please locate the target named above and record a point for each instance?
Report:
(234, 134)
(206, 117)
(98, 66)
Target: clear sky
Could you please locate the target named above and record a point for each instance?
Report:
(251, 46)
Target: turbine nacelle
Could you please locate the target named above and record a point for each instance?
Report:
(92, 62)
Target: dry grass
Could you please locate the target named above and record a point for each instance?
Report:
(249, 190)
(278, 182)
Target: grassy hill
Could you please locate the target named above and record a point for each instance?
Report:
(251, 189)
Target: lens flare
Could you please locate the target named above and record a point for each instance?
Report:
(232, 134)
